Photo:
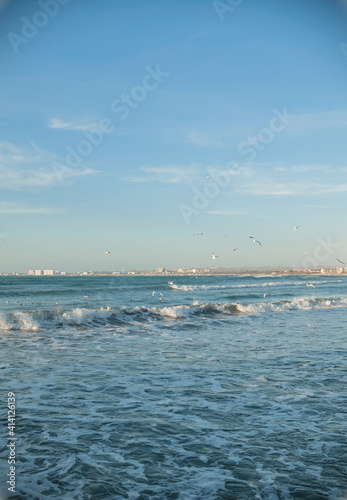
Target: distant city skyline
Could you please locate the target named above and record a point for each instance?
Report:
(207, 271)
(130, 127)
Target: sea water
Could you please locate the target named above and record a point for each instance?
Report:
(204, 389)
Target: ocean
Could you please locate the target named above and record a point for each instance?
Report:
(204, 389)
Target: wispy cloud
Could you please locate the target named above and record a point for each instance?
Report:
(292, 189)
(167, 175)
(21, 168)
(223, 138)
(194, 173)
(262, 179)
(307, 168)
(13, 179)
(268, 188)
(11, 155)
(226, 212)
(204, 140)
(237, 170)
(13, 208)
(315, 206)
(319, 120)
(77, 125)
(300, 179)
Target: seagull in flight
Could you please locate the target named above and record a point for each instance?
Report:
(214, 256)
(198, 234)
(266, 294)
(344, 263)
(108, 253)
(310, 284)
(255, 241)
(234, 249)
(208, 177)
(295, 227)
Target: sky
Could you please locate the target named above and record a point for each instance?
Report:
(130, 126)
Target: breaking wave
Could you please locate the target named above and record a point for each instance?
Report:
(194, 288)
(83, 317)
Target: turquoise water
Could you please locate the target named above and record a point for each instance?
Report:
(208, 391)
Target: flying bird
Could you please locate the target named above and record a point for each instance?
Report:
(310, 284)
(208, 177)
(344, 263)
(153, 293)
(266, 294)
(108, 253)
(234, 249)
(198, 234)
(295, 227)
(255, 241)
(214, 256)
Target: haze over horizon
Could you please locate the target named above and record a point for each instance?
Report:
(129, 127)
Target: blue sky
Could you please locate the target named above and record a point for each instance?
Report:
(114, 113)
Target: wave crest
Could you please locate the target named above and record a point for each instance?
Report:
(195, 288)
(82, 317)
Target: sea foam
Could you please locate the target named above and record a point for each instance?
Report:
(84, 317)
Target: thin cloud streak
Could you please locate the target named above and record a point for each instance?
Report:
(12, 208)
(21, 168)
(14, 179)
(197, 138)
(79, 126)
(319, 120)
(274, 189)
(301, 123)
(166, 175)
(226, 212)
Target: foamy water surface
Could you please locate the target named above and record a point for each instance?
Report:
(204, 390)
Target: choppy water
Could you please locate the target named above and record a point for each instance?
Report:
(208, 391)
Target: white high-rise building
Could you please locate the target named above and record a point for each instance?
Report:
(48, 272)
(31, 272)
(38, 272)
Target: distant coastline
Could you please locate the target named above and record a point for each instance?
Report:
(221, 271)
